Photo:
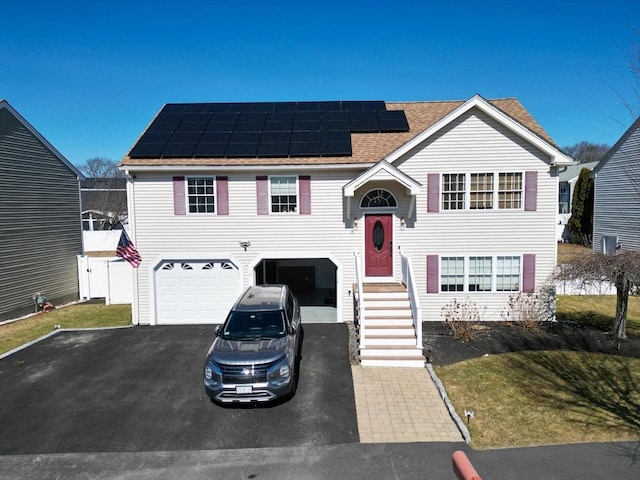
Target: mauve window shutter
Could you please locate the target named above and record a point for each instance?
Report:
(433, 277)
(262, 193)
(531, 191)
(529, 273)
(304, 185)
(179, 200)
(222, 195)
(433, 193)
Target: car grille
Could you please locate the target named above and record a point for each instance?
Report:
(239, 374)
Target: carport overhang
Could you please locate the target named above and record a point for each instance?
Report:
(382, 171)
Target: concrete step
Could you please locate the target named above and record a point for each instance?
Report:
(387, 313)
(387, 303)
(398, 321)
(393, 362)
(386, 296)
(390, 331)
(389, 351)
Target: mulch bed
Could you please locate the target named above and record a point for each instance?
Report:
(441, 348)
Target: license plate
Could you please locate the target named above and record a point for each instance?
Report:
(243, 389)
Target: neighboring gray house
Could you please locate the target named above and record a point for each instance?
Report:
(40, 226)
(616, 217)
(567, 178)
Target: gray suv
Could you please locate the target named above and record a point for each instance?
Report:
(255, 355)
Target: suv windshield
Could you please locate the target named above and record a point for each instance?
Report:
(254, 325)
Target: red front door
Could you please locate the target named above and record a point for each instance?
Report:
(378, 246)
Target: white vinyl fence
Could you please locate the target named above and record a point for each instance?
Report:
(110, 278)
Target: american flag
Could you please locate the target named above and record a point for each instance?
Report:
(127, 251)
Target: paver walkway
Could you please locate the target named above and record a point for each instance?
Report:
(400, 405)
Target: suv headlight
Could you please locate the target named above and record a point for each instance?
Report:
(280, 373)
(212, 373)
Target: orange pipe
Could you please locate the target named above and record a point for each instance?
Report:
(462, 467)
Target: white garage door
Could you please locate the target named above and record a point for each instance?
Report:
(196, 291)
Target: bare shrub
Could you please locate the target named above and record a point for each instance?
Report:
(531, 310)
(462, 318)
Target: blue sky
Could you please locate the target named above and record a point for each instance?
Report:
(90, 76)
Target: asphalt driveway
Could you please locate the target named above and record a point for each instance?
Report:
(140, 389)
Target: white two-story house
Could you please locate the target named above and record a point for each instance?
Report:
(344, 201)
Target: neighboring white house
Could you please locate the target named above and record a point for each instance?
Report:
(616, 216)
(453, 199)
(567, 178)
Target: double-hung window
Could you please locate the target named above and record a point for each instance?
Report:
(482, 191)
(453, 188)
(201, 194)
(284, 194)
(508, 274)
(480, 274)
(510, 190)
(452, 274)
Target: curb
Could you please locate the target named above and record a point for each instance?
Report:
(452, 411)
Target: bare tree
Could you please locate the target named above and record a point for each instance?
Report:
(621, 269)
(100, 167)
(586, 152)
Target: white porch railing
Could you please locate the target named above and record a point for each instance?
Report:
(416, 310)
(360, 294)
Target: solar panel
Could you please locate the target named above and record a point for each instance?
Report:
(336, 136)
(215, 137)
(245, 137)
(155, 137)
(305, 149)
(242, 149)
(285, 107)
(311, 136)
(210, 150)
(273, 149)
(268, 129)
(308, 107)
(173, 108)
(178, 150)
(374, 105)
(330, 106)
(364, 122)
(335, 149)
(263, 107)
(276, 137)
(147, 150)
(277, 126)
(185, 137)
(249, 126)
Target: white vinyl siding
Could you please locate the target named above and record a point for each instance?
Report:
(476, 143)
(472, 143)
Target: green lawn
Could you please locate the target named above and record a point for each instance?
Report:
(86, 315)
(552, 397)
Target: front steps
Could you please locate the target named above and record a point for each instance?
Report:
(389, 334)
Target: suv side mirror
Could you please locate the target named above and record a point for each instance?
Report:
(218, 330)
(292, 330)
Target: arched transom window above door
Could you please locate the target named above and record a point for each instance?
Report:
(378, 198)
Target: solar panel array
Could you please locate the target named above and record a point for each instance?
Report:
(264, 129)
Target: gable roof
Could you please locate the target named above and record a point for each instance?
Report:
(625, 136)
(369, 148)
(382, 170)
(5, 105)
